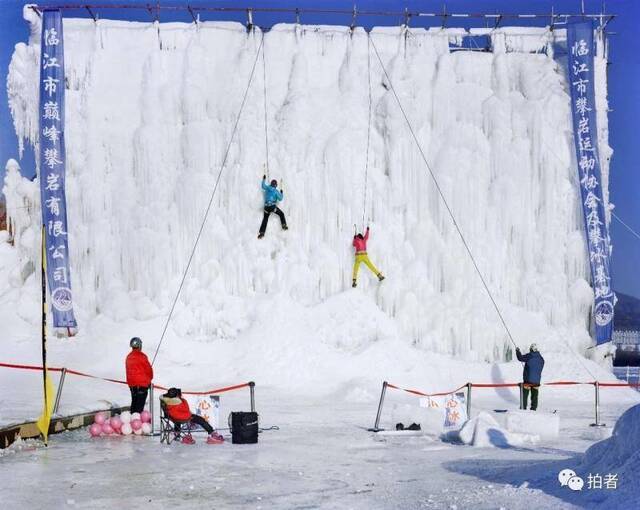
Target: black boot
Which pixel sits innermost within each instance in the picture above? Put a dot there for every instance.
(354, 284)
(260, 235)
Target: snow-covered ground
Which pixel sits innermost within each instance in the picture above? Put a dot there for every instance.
(322, 457)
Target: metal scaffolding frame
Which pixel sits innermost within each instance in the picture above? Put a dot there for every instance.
(553, 19)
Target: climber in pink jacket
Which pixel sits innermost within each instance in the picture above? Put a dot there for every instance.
(360, 244)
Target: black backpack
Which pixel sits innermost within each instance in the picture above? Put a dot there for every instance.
(243, 427)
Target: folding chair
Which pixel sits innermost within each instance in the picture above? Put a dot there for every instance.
(172, 430)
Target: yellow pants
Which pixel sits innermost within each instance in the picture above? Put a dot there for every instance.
(360, 258)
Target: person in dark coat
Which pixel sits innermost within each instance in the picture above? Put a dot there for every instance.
(533, 365)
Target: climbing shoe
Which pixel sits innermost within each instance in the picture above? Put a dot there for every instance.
(284, 227)
(260, 235)
(380, 277)
(354, 284)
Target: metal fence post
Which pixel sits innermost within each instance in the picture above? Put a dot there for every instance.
(380, 404)
(252, 388)
(597, 406)
(521, 387)
(59, 392)
(469, 385)
(151, 407)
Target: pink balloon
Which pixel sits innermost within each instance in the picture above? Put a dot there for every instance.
(146, 428)
(115, 422)
(136, 424)
(95, 430)
(100, 418)
(145, 416)
(106, 428)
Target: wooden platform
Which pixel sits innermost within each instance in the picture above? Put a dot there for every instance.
(29, 430)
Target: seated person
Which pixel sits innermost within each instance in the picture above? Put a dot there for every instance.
(178, 410)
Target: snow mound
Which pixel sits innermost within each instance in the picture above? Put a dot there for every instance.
(484, 431)
(544, 425)
(619, 454)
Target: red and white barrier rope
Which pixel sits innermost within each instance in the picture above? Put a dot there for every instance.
(117, 381)
(514, 385)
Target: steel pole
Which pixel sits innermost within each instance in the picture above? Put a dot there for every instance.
(59, 392)
(151, 408)
(252, 388)
(380, 404)
(596, 385)
(521, 386)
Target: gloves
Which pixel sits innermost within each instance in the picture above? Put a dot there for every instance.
(517, 349)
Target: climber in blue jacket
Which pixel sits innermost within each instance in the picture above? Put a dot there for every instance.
(271, 198)
(533, 365)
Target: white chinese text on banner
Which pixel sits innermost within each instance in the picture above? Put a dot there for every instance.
(52, 169)
(580, 58)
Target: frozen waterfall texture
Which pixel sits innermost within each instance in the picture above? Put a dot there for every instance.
(146, 134)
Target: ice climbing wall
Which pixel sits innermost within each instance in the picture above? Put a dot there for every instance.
(150, 110)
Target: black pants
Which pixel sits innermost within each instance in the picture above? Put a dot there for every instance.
(199, 420)
(268, 209)
(534, 396)
(138, 398)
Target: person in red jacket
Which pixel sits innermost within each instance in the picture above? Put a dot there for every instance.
(139, 375)
(178, 410)
(360, 244)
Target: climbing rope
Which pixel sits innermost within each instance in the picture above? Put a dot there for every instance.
(366, 166)
(444, 200)
(625, 225)
(213, 194)
(562, 338)
(266, 125)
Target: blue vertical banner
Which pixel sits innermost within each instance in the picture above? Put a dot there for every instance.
(580, 57)
(52, 169)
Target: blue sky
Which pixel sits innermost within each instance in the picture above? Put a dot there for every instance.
(624, 82)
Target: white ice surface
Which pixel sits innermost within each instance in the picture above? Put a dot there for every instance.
(483, 431)
(546, 425)
(146, 130)
(322, 457)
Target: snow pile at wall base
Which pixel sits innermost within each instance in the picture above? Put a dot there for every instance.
(544, 425)
(484, 431)
(146, 130)
(619, 454)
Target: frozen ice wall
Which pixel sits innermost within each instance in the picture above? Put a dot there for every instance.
(150, 111)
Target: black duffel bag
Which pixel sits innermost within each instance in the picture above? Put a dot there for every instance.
(243, 427)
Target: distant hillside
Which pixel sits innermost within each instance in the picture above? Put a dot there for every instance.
(627, 312)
